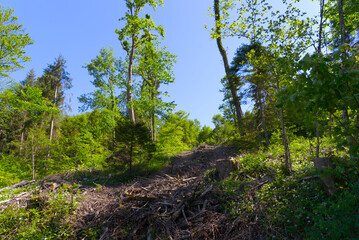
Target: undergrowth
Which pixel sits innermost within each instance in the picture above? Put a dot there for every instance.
(45, 217)
(295, 206)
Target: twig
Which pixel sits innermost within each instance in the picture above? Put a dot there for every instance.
(206, 191)
(184, 215)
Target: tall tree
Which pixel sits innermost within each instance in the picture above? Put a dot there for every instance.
(136, 31)
(229, 76)
(54, 82)
(155, 68)
(107, 72)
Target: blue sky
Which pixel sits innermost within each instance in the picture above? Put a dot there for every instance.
(78, 29)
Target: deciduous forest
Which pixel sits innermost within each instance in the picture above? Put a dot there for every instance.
(131, 165)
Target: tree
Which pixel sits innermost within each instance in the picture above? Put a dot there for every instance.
(137, 30)
(107, 71)
(177, 133)
(257, 80)
(229, 76)
(155, 68)
(13, 40)
(54, 81)
(29, 99)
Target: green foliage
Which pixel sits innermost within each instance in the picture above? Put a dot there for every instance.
(206, 135)
(107, 72)
(177, 133)
(137, 30)
(81, 144)
(13, 169)
(295, 206)
(13, 40)
(134, 142)
(45, 217)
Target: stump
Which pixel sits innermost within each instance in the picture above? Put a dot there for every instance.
(224, 167)
(323, 163)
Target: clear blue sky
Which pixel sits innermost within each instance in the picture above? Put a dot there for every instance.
(78, 29)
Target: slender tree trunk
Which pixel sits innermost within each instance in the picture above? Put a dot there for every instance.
(154, 127)
(33, 155)
(342, 41)
(21, 142)
(236, 102)
(22, 135)
(319, 51)
(341, 22)
(261, 109)
(153, 115)
(288, 161)
(317, 135)
(51, 130)
(130, 110)
(330, 125)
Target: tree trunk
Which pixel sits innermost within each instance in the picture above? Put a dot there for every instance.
(261, 109)
(33, 155)
(330, 125)
(236, 102)
(342, 41)
(22, 136)
(288, 162)
(341, 22)
(130, 110)
(317, 135)
(319, 51)
(21, 142)
(51, 128)
(154, 127)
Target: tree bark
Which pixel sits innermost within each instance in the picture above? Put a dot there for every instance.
(288, 162)
(21, 142)
(317, 135)
(330, 125)
(341, 22)
(236, 102)
(130, 110)
(261, 109)
(33, 155)
(51, 128)
(344, 56)
(319, 51)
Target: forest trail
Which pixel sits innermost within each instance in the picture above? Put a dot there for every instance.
(176, 203)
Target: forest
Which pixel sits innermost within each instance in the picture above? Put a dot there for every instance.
(131, 165)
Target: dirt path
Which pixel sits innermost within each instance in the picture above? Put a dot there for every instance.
(173, 204)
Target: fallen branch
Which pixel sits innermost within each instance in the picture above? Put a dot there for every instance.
(18, 185)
